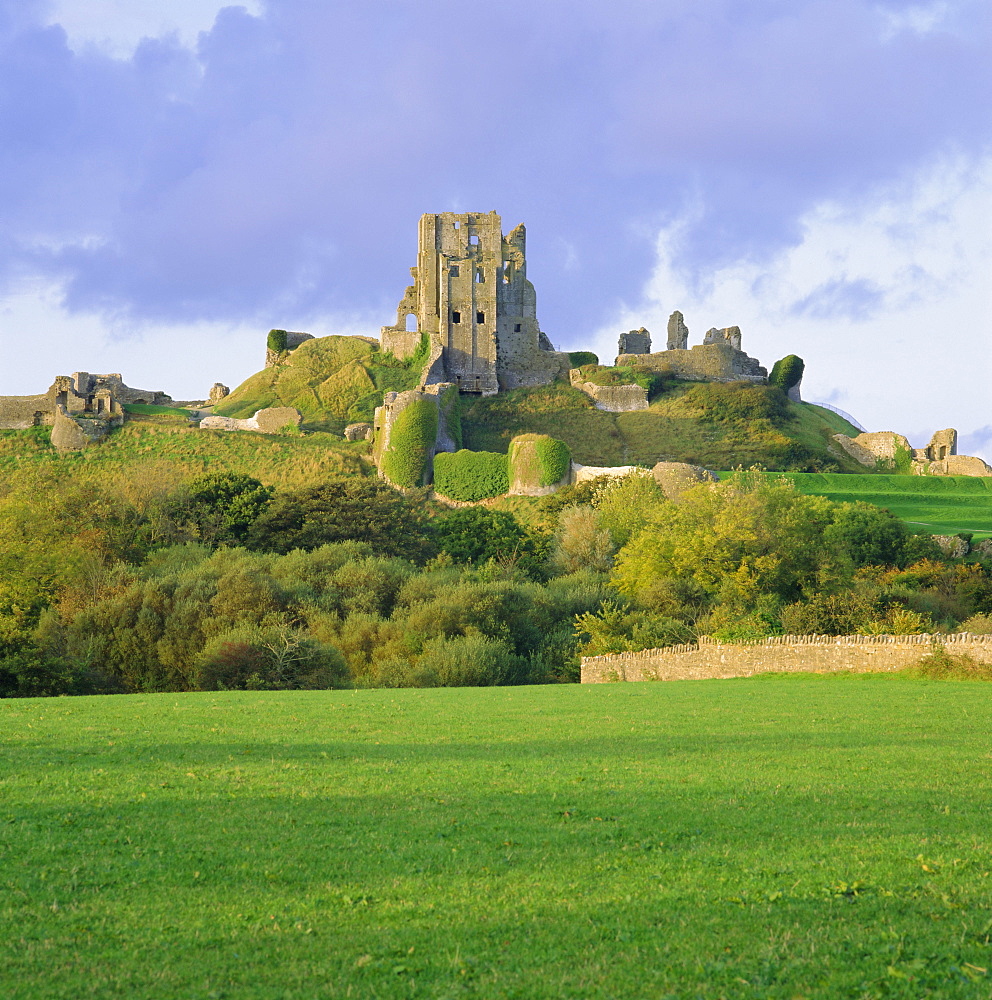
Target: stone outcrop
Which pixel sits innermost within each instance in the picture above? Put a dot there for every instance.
(956, 465)
(217, 392)
(358, 432)
(675, 478)
(952, 546)
(270, 420)
(634, 342)
(529, 470)
(471, 298)
(678, 333)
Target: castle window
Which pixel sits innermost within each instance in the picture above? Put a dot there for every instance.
(479, 277)
(411, 323)
(456, 317)
(453, 271)
(458, 225)
(480, 317)
(516, 328)
(474, 239)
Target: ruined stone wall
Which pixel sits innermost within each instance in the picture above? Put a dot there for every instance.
(614, 398)
(778, 654)
(715, 362)
(471, 296)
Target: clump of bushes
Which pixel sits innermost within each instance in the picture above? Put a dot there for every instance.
(276, 341)
(470, 475)
(537, 461)
(578, 359)
(787, 372)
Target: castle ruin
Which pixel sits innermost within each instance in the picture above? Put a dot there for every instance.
(471, 298)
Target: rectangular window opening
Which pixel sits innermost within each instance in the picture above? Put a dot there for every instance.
(453, 271)
(479, 277)
(474, 239)
(516, 328)
(456, 317)
(480, 317)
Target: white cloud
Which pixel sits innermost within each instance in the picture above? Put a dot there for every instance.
(117, 26)
(887, 298)
(920, 19)
(182, 360)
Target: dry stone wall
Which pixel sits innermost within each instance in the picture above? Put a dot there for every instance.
(709, 659)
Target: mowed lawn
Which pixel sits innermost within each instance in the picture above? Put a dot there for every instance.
(937, 505)
(773, 837)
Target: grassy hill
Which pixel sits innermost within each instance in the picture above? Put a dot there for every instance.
(772, 837)
(168, 447)
(332, 381)
(940, 505)
(705, 424)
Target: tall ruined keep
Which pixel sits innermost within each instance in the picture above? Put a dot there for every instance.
(470, 296)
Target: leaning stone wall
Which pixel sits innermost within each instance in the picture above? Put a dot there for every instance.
(710, 659)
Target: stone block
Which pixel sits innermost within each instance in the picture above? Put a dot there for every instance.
(358, 432)
(678, 332)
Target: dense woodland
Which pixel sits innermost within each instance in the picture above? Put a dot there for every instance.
(218, 581)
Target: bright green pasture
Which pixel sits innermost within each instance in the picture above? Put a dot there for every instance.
(773, 837)
(938, 505)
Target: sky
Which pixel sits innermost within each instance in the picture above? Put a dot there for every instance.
(177, 177)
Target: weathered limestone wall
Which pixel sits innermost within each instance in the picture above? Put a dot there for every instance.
(678, 332)
(635, 342)
(714, 362)
(82, 393)
(612, 398)
(778, 654)
(882, 449)
(470, 295)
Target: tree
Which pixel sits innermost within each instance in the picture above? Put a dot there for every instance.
(345, 508)
(218, 507)
(477, 535)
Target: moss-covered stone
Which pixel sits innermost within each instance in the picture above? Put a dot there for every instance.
(538, 464)
(405, 452)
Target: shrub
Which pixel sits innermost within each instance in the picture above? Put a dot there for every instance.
(411, 439)
(276, 341)
(581, 543)
(466, 661)
(476, 535)
(470, 475)
(940, 665)
(787, 372)
(578, 359)
(737, 403)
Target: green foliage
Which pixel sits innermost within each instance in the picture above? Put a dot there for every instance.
(478, 535)
(217, 507)
(537, 461)
(787, 372)
(411, 440)
(276, 341)
(451, 409)
(149, 409)
(470, 475)
(578, 359)
(343, 509)
(617, 629)
(581, 542)
(553, 460)
(939, 665)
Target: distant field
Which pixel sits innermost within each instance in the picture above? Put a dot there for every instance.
(773, 837)
(939, 505)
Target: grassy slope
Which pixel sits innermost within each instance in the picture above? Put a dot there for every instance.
(934, 504)
(168, 446)
(669, 430)
(774, 837)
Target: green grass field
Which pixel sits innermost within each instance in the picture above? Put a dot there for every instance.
(777, 837)
(938, 505)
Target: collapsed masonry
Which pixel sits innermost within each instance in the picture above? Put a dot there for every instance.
(471, 299)
(80, 394)
(886, 450)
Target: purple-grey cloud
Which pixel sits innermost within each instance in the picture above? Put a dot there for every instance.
(284, 163)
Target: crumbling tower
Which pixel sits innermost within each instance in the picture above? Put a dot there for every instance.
(471, 297)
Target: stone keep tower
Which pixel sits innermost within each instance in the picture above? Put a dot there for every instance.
(471, 296)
